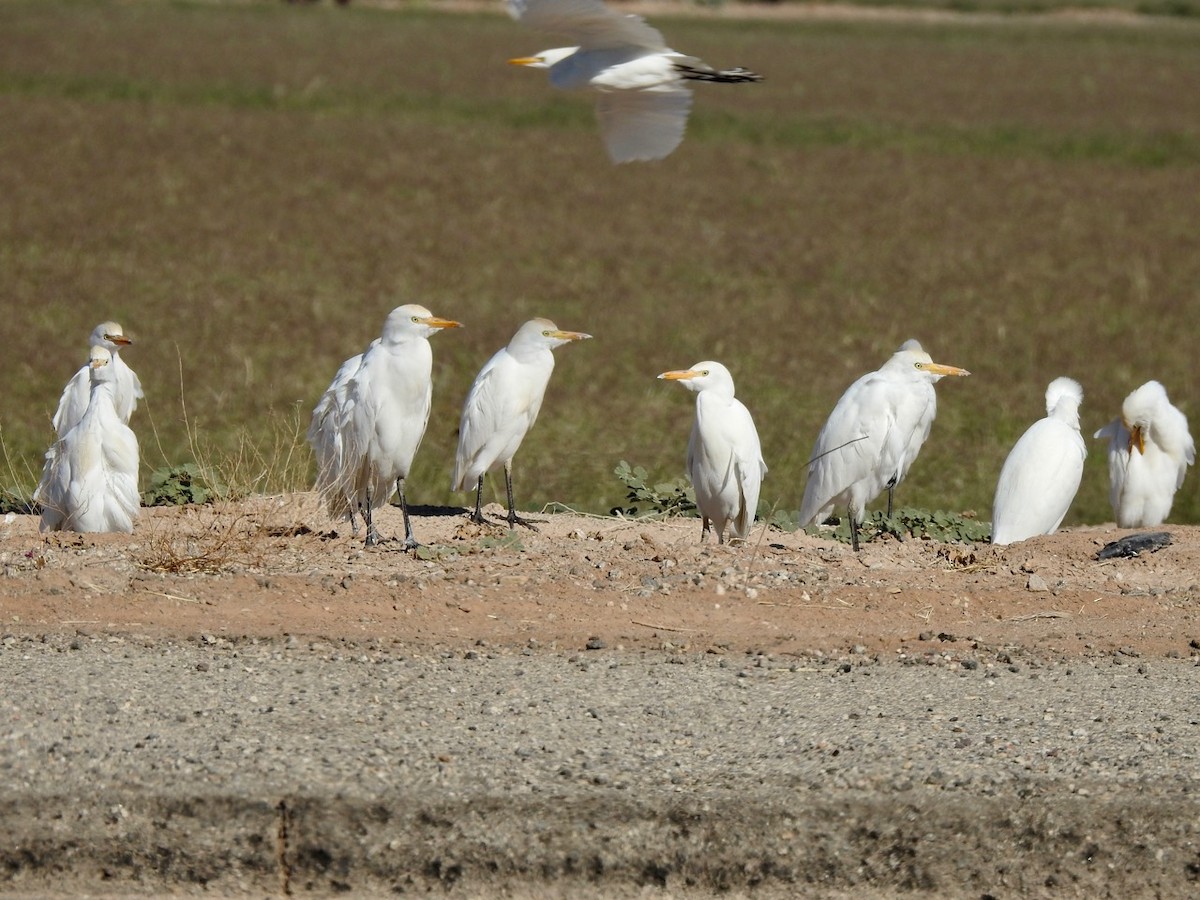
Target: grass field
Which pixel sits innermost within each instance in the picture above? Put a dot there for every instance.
(249, 189)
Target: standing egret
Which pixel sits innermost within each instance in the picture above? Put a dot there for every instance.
(1043, 470)
(502, 406)
(127, 387)
(89, 482)
(873, 435)
(1142, 484)
(644, 97)
(724, 456)
(382, 415)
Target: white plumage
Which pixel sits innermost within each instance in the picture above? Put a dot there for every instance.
(724, 456)
(127, 387)
(1043, 470)
(1149, 451)
(644, 99)
(502, 406)
(873, 435)
(368, 426)
(90, 479)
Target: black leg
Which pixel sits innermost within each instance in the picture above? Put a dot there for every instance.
(513, 518)
(853, 532)
(477, 518)
(410, 542)
(704, 529)
(372, 534)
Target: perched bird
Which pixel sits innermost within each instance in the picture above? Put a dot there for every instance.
(644, 95)
(1043, 470)
(1149, 450)
(127, 387)
(724, 456)
(380, 415)
(873, 435)
(326, 436)
(502, 406)
(90, 480)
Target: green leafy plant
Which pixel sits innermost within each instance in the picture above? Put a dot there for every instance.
(666, 498)
(923, 524)
(13, 503)
(181, 485)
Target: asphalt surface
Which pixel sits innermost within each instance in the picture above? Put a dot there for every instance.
(134, 765)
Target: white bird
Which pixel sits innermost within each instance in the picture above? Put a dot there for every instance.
(644, 97)
(381, 417)
(502, 406)
(127, 387)
(873, 435)
(1043, 470)
(724, 456)
(89, 482)
(1142, 484)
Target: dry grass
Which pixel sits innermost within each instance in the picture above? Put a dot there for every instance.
(251, 189)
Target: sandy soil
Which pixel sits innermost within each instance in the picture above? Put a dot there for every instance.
(276, 565)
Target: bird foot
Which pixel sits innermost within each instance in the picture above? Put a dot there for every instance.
(514, 520)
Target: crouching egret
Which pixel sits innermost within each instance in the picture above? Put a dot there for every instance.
(379, 414)
(644, 98)
(1149, 450)
(724, 456)
(90, 480)
(1042, 471)
(873, 435)
(126, 386)
(502, 406)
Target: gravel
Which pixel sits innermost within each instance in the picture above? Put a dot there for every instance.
(131, 765)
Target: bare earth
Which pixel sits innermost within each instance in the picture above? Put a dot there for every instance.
(275, 566)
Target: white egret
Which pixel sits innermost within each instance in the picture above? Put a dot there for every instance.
(502, 406)
(127, 387)
(1043, 470)
(724, 456)
(1149, 450)
(382, 415)
(90, 480)
(873, 435)
(644, 97)
(326, 436)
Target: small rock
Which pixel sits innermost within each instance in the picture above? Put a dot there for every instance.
(1036, 583)
(595, 643)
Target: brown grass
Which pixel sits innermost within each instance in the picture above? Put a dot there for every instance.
(251, 189)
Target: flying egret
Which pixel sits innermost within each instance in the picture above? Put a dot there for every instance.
(89, 482)
(1149, 450)
(502, 406)
(873, 435)
(382, 416)
(724, 456)
(1043, 470)
(127, 387)
(644, 96)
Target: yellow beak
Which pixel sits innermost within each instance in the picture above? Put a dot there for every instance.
(525, 61)
(679, 375)
(569, 335)
(939, 369)
(118, 339)
(435, 322)
(1137, 438)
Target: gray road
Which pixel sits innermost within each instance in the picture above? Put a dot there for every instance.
(131, 765)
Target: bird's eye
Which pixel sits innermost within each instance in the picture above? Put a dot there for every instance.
(919, 365)
(417, 319)
(704, 373)
(545, 334)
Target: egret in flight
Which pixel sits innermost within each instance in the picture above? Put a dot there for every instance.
(90, 480)
(1149, 450)
(644, 98)
(1043, 470)
(502, 406)
(724, 456)
(873, 435)
(381, 418)
(127, 387)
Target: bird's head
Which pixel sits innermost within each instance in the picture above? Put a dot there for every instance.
(539, 334)
(413, 320)
(707, 375)
(545, 59)
(100, 364)
(109, 335)
(914, 360)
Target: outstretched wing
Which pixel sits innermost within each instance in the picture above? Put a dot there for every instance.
(643, 125)
(588, 23)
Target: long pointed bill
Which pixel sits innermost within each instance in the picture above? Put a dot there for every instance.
(435, 322)
(570, 336)
(525, 61)
(679, 375)
(1137, 438)
(939, 369)
(118, 339)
